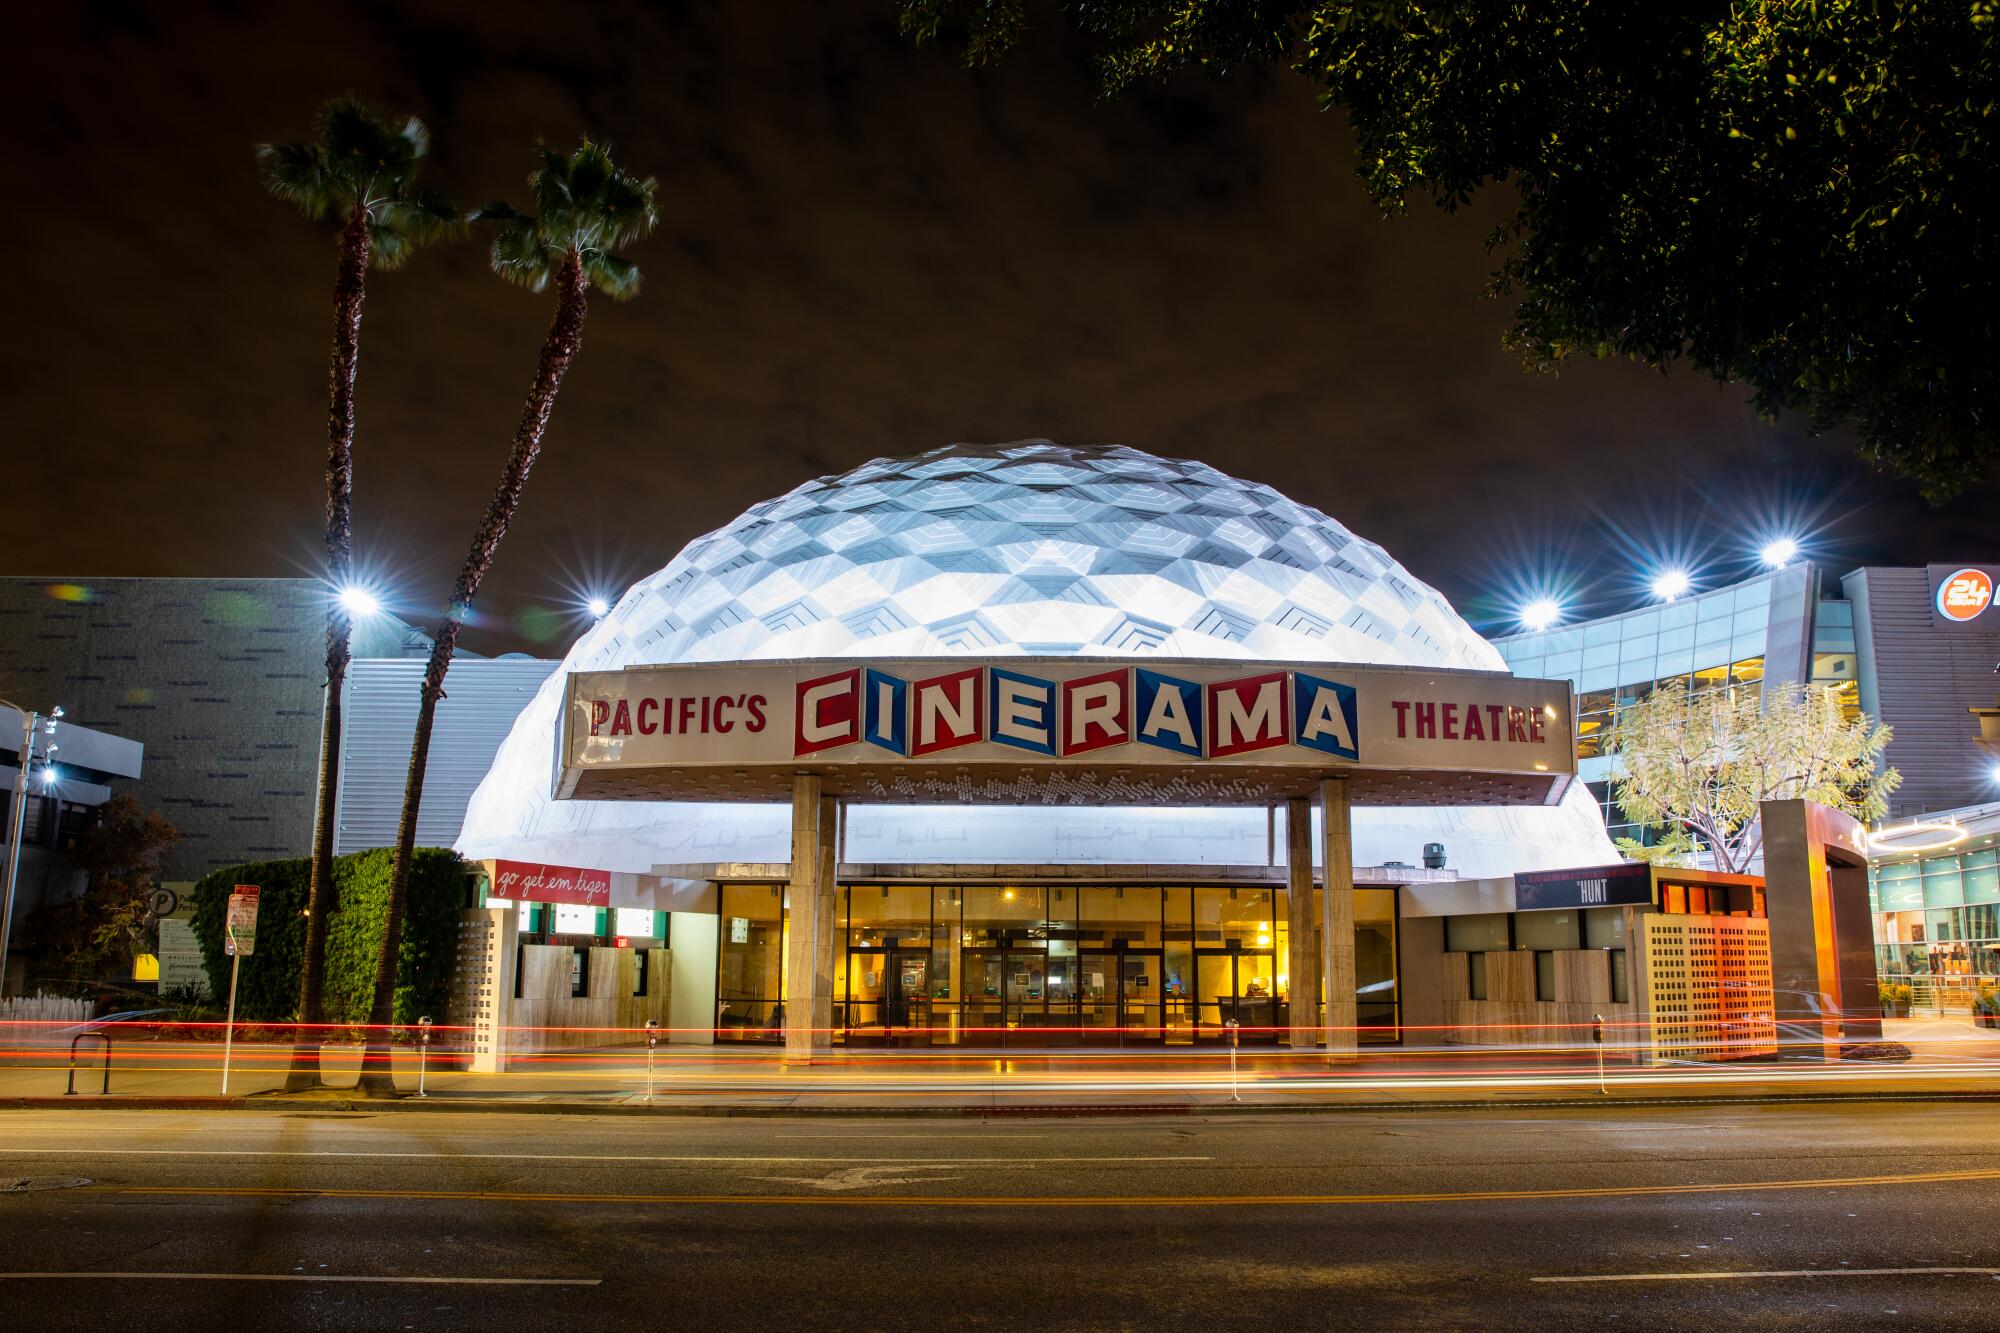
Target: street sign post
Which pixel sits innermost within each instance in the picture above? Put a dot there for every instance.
(239, 937)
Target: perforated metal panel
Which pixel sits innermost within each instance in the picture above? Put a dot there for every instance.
(1708, 987)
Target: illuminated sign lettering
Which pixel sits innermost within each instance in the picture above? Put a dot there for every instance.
(1964, 595)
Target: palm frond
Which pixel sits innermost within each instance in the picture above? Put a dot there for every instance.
(423, 216)
(551, 183)
(388, 248)
(518, 254)
(585, 206)
(614, 275)
(356, 136)
(296, 173)
(590, 170)
(498, 211)
(418, 136)
(626, 204)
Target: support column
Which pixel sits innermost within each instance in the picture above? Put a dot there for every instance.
(803, 991)
(1301, 925)
(1336, 940)
(826, 942)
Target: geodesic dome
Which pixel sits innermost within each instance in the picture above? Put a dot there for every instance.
(989, 550)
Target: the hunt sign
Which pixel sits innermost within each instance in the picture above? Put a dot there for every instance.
(1015, 718)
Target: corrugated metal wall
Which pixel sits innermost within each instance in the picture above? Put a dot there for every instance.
(1921, 679)
(482, 699)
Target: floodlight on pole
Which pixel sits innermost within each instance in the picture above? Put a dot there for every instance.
(1779, 552)
(358, 602)
(598, 607)
(1671, 583)
(1541, 613)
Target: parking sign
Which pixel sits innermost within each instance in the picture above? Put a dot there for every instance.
(239, 934)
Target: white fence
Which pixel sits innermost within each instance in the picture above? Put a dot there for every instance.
(39, 1020)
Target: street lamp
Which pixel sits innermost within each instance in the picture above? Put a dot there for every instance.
(1779, 552)
(1541, 613)
(357, 601)
(1671, 583)
(598, 608)
(31, 722)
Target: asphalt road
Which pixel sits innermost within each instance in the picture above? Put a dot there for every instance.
(1849, 1215)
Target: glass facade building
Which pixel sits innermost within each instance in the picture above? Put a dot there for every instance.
(1742, 637)
(1046, 964)
(1938, 915)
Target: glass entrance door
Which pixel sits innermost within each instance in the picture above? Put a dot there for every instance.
(1120, 997)
(1140, 982)
(1239, 986)
(1006, 991)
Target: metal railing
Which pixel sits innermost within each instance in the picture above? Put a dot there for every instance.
(104, 1037)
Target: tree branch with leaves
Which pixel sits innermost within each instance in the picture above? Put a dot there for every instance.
(1697, 767)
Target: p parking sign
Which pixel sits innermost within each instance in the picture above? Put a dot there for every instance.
(239, 932)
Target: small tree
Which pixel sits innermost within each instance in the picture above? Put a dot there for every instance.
(1699, 765)
(112, 919)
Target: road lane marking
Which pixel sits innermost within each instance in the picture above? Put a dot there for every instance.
(1773, 1272)
(312, 1277)
(1071, 1201)
(575, 1157)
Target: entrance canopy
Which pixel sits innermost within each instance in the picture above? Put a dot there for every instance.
(1064, 731)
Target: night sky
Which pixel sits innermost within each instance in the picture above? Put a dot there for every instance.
(865, 250)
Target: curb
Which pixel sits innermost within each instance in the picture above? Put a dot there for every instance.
(448, 1106)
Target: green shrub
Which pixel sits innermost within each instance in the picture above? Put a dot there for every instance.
(268, 987)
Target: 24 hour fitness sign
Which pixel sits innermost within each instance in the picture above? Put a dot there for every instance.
(926, 729)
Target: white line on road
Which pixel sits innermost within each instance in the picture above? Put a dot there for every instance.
(1775, 1272)
(565, 1157)
(317, 1277)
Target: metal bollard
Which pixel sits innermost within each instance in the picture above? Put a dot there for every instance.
(652, 1040)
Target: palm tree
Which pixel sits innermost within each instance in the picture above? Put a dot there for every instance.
(360, 172)
(585, 208)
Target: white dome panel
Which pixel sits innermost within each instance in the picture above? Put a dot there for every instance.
(996, 550)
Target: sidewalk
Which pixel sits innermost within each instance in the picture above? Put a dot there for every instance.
(1951, 1059)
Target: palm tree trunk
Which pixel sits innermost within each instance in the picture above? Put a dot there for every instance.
(350, 288)
(559, 349)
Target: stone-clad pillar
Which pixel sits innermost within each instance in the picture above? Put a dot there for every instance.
(1302, 951)
(827, 940)
(1337, 916)
(809, 902)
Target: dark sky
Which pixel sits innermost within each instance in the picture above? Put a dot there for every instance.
(865, 250)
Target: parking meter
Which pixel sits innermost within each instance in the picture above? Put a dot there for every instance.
(652, 1033)
(423, 1052)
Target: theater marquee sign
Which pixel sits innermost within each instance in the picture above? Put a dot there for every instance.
(1064, 731)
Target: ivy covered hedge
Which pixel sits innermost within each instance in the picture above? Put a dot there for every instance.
(268, 988)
